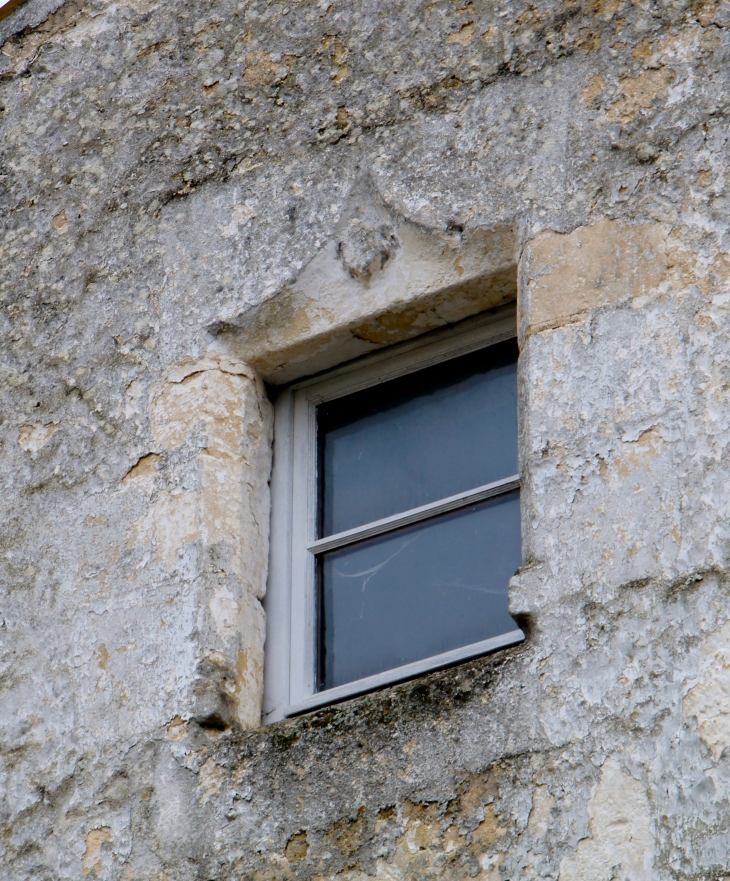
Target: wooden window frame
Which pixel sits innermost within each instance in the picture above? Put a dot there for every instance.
(291, 629)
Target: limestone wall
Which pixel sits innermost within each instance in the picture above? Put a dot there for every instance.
(200, 196)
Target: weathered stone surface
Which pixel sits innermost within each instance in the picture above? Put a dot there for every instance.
(606, 264)
(331, 313)
(621, 841)
(708, 698)
(183, 186)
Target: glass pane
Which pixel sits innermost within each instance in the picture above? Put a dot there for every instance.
(418, 439)
(418, 591)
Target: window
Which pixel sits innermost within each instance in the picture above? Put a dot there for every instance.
(396, 516)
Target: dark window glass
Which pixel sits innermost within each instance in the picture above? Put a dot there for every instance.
(418, 439)
(418, 591)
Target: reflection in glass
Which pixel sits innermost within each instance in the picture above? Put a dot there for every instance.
(418, 591)
(417, 439)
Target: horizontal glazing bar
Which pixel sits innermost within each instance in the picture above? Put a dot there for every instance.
(415, 514)
(408, 671)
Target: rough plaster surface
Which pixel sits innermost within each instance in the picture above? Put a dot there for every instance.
(169, 175)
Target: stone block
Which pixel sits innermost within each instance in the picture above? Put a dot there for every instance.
(609, 263)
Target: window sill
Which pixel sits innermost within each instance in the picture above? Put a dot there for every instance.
(408, 671)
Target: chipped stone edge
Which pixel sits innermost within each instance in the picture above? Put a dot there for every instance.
(28, 16)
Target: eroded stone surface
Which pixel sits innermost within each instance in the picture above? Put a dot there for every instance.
(606, 264)
(620, 842)
(708, 698)
(170, 176)
(334, 312)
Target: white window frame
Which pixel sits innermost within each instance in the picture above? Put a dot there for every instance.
(291, 628)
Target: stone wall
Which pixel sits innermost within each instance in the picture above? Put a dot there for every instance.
(174, 181)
